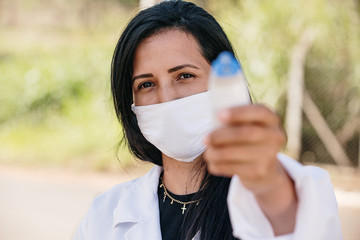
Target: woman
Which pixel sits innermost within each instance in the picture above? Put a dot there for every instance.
(160, 73)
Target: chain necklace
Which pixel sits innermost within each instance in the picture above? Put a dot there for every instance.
(166, 194)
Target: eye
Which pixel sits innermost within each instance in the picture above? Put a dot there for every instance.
(145, 85)
(186, 76)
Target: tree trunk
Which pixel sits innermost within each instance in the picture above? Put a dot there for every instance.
(147, 3)
(293, 119)
(359, 149)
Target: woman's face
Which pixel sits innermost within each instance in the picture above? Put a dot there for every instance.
(168, 66)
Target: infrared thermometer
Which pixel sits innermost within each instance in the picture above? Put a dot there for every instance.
(227, 84)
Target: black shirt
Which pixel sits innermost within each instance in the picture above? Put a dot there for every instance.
(171, 215)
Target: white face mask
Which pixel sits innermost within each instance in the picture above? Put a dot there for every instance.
(177, 128)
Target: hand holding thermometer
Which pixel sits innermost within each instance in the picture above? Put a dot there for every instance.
(227, 83)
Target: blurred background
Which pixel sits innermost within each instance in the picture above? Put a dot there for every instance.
(59, 134)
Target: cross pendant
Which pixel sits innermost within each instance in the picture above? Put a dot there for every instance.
(164, 197)
(183, 209)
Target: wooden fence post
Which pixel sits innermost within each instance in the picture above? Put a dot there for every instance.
(325, 134)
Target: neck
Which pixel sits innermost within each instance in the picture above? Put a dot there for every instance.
(182, 178)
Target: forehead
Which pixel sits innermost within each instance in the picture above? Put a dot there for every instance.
(175, 38)
(173, 46)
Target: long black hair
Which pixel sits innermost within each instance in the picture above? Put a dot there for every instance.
(211, 216)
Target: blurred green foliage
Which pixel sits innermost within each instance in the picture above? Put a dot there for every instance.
(265, 33)
(56, 108)
(55, 65)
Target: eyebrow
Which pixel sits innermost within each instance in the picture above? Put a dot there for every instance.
(146, 75)
(174, 69)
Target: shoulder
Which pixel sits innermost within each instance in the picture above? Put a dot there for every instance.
(110, 199)
(297, 170)
(116, 202)
(317, 212)
(310, 181)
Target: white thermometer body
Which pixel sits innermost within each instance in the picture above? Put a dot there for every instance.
(228, 85)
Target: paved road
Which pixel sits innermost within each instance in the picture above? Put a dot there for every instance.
(49, 205)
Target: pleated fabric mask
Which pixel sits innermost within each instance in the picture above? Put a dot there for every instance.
(177, 128)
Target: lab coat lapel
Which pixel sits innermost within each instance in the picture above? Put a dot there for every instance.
(137, 213)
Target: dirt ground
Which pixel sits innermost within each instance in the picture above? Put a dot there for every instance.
(50, 203)
(346, 182)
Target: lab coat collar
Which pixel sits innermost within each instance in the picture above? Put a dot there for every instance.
(140, 202)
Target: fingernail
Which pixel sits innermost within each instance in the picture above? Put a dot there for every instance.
(224, 115)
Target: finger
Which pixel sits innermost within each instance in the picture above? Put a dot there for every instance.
(258, 114)
(229, 169)
(255, 178)
(246, 171)
(236, 154)
(244, 134)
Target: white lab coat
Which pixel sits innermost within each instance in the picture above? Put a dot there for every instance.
(129, 211)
